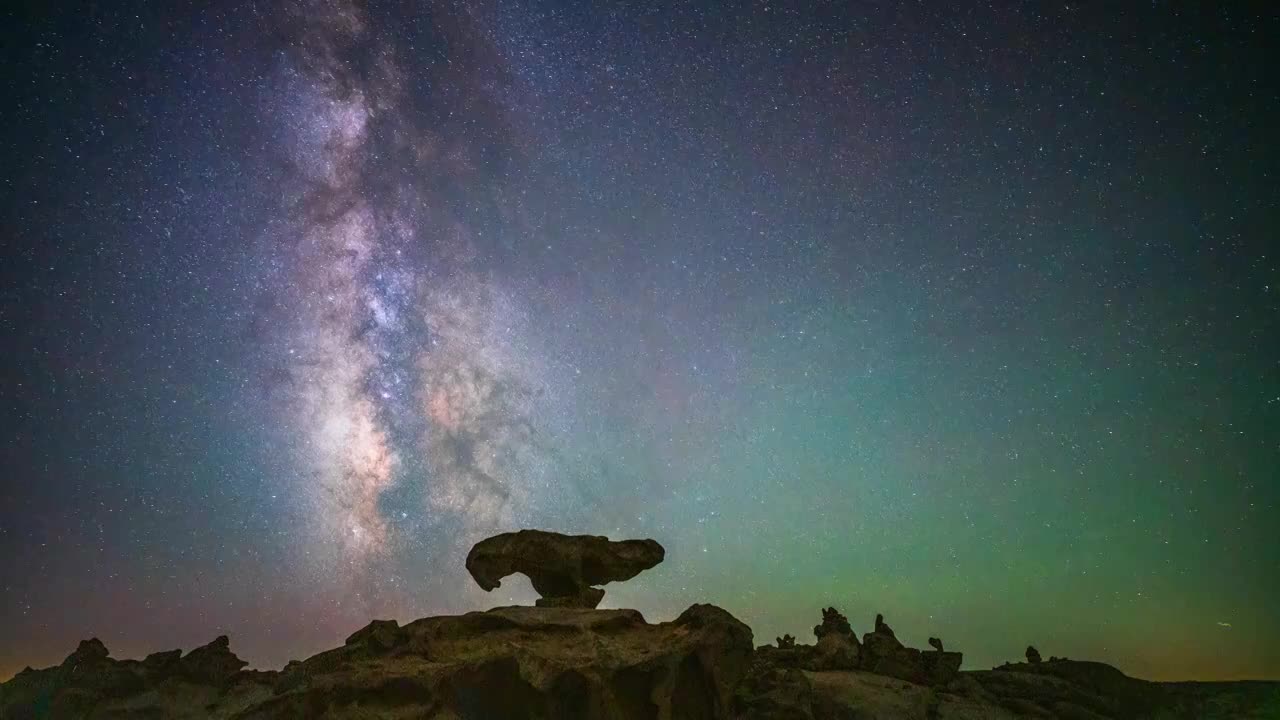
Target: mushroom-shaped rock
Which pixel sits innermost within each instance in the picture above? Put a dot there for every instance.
(562, 568)
(936, 644)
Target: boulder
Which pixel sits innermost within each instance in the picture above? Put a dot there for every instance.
(562, 568)
(1033, 655)
(935, 643)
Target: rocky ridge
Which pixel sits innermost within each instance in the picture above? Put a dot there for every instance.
(575, 663)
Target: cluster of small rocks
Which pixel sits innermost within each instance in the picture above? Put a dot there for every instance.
(879, 651)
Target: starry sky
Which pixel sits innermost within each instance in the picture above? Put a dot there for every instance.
(954, 312)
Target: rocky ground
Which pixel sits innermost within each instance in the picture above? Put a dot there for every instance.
(566, 660)
(527, 663)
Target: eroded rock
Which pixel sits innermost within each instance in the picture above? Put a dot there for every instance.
(212, 663)
(88, 652)
(562, 568)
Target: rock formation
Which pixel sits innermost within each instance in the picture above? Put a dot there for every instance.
(832, 622)
(837, 647)
(882, 628)
(515, 663)
(88, 653)
(562, 568)
(838, 650)
(568, 663)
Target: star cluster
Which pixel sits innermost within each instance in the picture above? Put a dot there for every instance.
(959, 314)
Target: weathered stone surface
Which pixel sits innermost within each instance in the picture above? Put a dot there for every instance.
(518, 663)
(563, 663)
(562, 568)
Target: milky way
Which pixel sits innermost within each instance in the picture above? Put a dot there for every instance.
(950, 312)
(408, 371)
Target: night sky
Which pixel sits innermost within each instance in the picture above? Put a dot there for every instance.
(967, 315)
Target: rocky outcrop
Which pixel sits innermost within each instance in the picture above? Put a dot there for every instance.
(526, 663)
(87, 654)
(212, 663)
(879, 652)
(561, 661)
(833, 623)
(837, 647)
(515, 663)
(207, 682)
(562, 568)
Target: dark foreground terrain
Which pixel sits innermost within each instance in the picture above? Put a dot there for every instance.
(566, 660)
(563, 663)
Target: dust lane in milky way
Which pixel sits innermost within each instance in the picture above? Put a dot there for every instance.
(403, 369)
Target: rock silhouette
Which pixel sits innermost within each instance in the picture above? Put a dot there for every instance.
(571, 663)
(562, 568)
